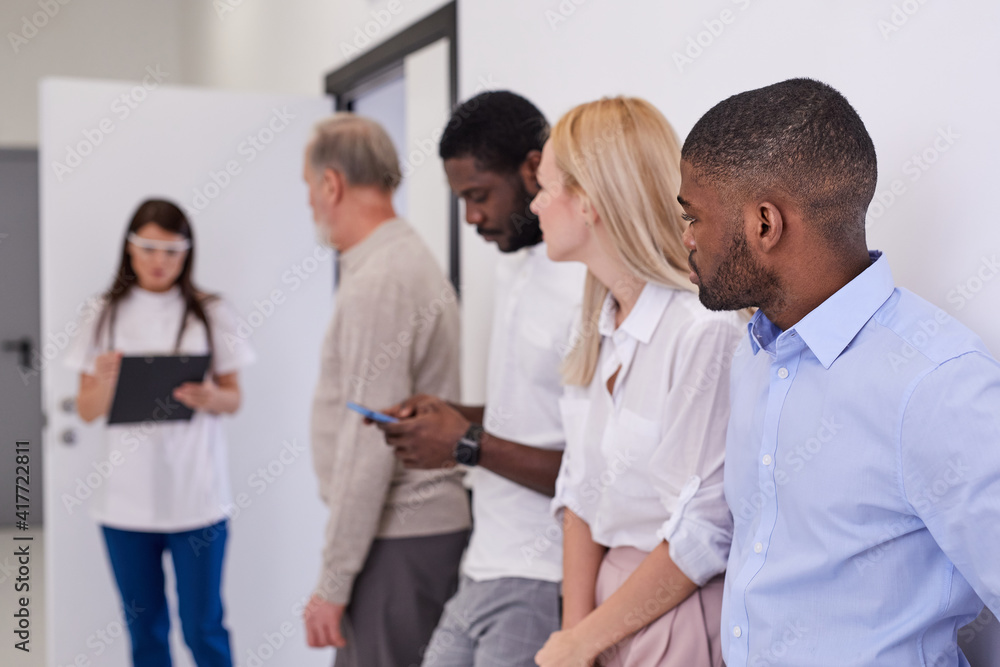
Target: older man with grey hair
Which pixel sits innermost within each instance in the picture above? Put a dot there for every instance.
(395, 536)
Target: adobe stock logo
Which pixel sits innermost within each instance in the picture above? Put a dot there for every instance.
(250, 148)
(698, 43)
(899, 17)
(966, 291)
(121, 108)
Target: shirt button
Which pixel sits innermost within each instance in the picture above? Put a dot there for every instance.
(767, 459)
(782, 372)
(757, 548)
(737, 632)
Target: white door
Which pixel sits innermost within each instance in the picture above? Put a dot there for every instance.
(233, 161)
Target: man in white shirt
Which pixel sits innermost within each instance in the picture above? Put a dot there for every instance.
(508, 599)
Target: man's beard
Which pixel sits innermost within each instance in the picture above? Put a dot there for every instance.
(524, 229)
(739, 282)
(323, 234)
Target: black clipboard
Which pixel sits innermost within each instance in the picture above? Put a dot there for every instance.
(145, 389)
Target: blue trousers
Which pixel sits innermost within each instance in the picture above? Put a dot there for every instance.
(137, 561)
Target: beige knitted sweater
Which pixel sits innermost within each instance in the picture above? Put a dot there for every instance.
(395, 333)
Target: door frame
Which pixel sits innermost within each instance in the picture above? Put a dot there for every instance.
(384, 59)
(31, 329)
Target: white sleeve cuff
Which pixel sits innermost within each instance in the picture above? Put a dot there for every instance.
(699, 531)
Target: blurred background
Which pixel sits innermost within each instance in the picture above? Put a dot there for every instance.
(105, 102)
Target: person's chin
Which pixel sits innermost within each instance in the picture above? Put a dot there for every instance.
(556, 254)
(711, 300)
(501, 241)
(324, 237)
(159, 285)
(707, 300)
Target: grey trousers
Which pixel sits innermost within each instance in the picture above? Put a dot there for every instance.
(496, 623)
(398, 598)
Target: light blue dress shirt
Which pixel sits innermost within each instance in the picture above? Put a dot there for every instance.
(863, 474)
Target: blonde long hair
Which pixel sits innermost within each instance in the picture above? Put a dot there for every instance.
(623, 156)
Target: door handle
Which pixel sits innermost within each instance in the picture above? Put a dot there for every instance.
(23, 348)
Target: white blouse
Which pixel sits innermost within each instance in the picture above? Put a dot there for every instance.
(643, 464)
(173, 475)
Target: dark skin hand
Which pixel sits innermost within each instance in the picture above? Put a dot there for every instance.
(425, 438)
(429, 428)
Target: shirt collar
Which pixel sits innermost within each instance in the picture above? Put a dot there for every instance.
(353, 257)
(644, 316)
(830, 327)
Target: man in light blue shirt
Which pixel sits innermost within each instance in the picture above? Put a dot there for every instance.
(863, 451)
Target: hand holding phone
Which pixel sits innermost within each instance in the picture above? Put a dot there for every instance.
(372, 414)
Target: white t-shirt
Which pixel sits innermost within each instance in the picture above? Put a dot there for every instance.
(164, 476)
(537, 302)
(643, 464)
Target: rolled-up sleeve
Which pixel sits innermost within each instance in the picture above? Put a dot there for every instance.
(692, 450)
(574, 408)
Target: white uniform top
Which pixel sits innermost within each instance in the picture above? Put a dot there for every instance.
(167, 476)
(537, 302)
(643, 464)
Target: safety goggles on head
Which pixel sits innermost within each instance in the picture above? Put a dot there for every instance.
(170, 247)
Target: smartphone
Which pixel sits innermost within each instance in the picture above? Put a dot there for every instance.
(371, 414)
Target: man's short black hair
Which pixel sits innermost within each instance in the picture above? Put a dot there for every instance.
(497, 128)
(800, 136)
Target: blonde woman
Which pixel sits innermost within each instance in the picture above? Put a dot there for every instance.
(646, 526)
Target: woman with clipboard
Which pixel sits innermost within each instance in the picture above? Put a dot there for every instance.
(169, 482)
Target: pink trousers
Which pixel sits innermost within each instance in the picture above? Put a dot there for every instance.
(686, 636)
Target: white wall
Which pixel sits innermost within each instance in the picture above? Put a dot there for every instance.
(286, 46)
(926, 76)
(230, 44)
(909, 84)
(108, 39)
(935, 72)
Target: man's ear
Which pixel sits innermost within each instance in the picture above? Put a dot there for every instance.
(529, 171)
(768, 226)
(333, 185)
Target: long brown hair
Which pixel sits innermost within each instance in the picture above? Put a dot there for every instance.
(170, 217)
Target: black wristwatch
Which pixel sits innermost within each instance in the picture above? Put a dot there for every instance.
(467, 449)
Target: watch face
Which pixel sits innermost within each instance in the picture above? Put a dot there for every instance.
(465, 454)
(467, 449)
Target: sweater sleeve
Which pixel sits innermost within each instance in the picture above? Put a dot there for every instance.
(367, 358)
